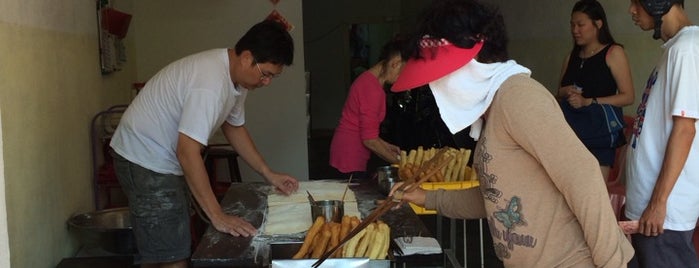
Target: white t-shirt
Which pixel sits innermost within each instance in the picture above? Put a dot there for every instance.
(192, 96)
(671, 90)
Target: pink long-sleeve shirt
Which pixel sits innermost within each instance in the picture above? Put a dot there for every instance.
(362, 114)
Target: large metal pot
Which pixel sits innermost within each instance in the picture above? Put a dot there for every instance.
(386, 177)
(109, 229)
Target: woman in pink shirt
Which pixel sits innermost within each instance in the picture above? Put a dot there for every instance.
(357, 134)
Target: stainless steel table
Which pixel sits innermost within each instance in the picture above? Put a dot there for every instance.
(249, 200)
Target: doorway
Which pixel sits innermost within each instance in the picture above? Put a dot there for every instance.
(360, 45)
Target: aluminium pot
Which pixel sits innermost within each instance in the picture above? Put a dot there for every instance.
(108, 229)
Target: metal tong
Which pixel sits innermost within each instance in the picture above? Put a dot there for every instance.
(393, 200)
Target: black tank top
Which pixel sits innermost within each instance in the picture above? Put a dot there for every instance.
(591, 74)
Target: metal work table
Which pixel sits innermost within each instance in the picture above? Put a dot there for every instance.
(249, 201)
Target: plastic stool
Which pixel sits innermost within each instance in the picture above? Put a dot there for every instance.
(213, 156)
(617, 197)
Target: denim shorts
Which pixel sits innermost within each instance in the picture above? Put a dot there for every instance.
(159, 210)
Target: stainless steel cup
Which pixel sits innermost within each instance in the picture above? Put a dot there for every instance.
(386, 177)
(332, 210)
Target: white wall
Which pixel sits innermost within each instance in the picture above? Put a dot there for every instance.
(50, 87)
(540, 38)
(166, 30)
(4, 238)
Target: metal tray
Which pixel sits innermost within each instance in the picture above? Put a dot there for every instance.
(281, 253)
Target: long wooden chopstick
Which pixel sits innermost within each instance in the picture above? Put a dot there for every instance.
(346, 187)
(390, 201)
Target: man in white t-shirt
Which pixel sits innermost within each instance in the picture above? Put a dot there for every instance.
(157, 146)
(662, 171)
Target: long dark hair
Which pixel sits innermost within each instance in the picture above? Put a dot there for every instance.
(595, 11)
(463, 23)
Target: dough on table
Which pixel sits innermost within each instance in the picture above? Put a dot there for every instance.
(292, 214)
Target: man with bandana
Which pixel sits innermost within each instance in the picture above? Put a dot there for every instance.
(530, 164)
(662, 184)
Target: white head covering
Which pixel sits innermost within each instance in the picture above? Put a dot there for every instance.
(465, 94)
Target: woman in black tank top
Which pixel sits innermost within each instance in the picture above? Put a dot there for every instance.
(595, 80)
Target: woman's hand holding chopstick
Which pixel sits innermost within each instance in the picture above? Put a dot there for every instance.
(416, 196)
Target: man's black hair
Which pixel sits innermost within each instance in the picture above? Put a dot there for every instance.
(268, 41)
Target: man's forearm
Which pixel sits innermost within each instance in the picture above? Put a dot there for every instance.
(676, 153)
(188, 154)
(241, 141)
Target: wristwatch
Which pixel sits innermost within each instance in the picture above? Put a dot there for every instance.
(594, 101)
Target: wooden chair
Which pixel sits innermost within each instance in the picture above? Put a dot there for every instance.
(215, 155)
(104, 179)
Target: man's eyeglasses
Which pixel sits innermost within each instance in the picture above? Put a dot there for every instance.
(264, 75)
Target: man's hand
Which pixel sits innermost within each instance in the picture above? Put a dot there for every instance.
(283, 182)
(676, 154)
(233, 225)
(652, 219)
